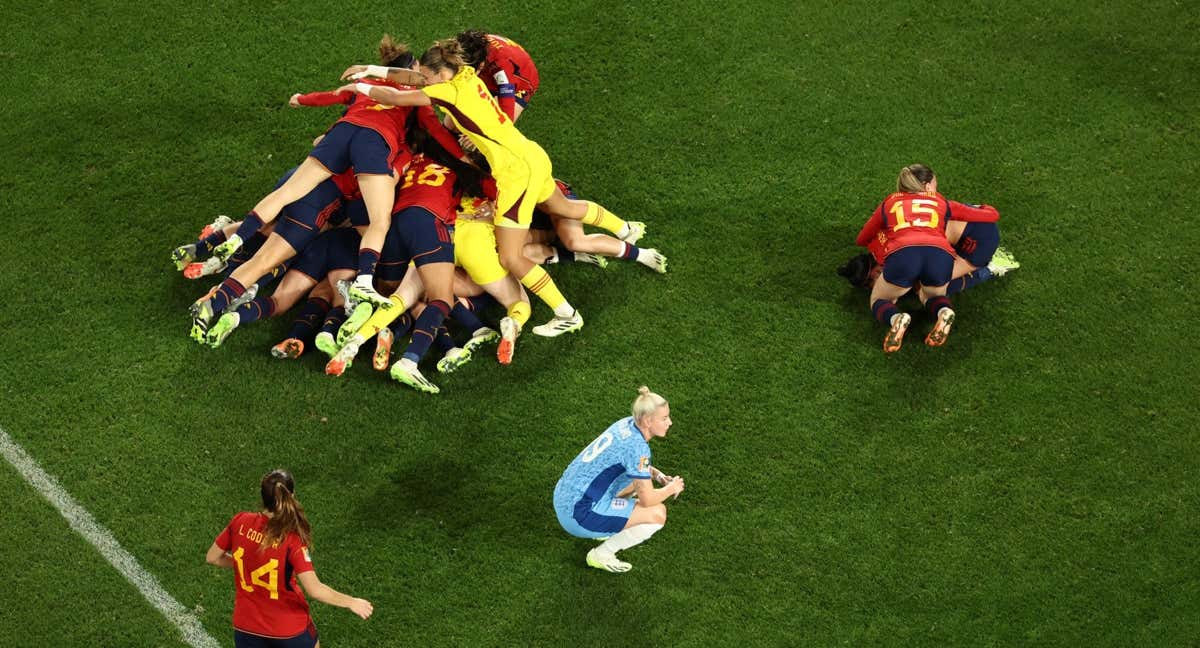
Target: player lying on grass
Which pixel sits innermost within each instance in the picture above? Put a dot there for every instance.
(978, 256)
(269, 553)
(520, 167)
(592, 499)
(910, 225)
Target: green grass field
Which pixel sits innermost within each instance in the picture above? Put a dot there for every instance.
(1032, 483)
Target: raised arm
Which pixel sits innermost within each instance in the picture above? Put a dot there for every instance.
(389, 96)
(329, 596)
(402, 76)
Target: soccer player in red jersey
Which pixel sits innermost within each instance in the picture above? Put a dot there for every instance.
(505, 68)
(268, 552)
(910, 225)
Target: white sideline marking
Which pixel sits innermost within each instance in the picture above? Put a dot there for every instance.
(102, 539)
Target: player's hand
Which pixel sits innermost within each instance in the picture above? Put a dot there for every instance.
(466, 143)
(361, 607)
(676, 485)
(294, 102)
(486, 210)
(354, 72)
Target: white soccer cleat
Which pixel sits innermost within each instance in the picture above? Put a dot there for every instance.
(607, 561)
(220, 222)
(245, 298)
(593, 259)
(653, 259)
(363, 290)
(637, 230)
(480, 338)
(406, 371)
(453, 359)
(559, 325)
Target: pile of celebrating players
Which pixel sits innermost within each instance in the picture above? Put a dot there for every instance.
(419, 211)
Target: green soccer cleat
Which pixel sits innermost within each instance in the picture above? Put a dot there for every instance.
(1002, 262)
(453, 359)
(593, 259)
(637, 230)
(326, 344)
(559, 325)
(362, 312)
(362, 290)
(607, 561)
(228, 248)
(480, 338)
(202, 315)
(221, 330)
(406, 371)
(183, 255)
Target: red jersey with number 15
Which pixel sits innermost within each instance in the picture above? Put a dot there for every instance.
(906, 219)
(268, 602)
(429, 185)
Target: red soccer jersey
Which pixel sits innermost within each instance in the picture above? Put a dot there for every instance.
(268, 602)
(388, 121)
(509, 73)
(430, 185)
(907, 219)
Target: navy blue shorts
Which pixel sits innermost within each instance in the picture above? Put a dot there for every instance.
(334, 250)
(602, 520)
(924, 263)
(346, 145)
(302, 220)
(356, 212)
(978, 243)
(416, 235)
(306, 639)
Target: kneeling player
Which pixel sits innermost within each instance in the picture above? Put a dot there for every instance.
(591, 497)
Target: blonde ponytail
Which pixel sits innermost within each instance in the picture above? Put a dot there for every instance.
(646, 403)
(913, 178)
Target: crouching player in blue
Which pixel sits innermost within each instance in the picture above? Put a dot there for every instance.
(592, 498)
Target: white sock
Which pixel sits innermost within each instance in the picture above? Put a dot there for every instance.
(564, 310)
(630, 537)
(553, 258)
(625, 231)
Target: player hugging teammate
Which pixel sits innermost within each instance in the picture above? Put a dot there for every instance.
(401, 220)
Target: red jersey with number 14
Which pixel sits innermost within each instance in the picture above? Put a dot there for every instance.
(429, 185)
(268, 602)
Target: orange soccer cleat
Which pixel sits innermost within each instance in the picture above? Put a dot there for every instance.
(289, 349)
(895, 335)
(941, 328)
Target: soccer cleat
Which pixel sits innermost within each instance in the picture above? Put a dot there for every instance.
(209, 266)
(362, 291)
(454, 359)
(895, 335)
(228, 248)
(594, 259)
(362, 312)
(509, 331)
(654, 260)
(406, 371)
(383, 349)
(326, 344)
(183, 255)
(289, 349)
(559, 325)
(343, 288)
(220, 222)
(941, 328)
(637, 230)
(481, 337)
(202, 314)
(1002, 262)
(244, 298)
(607, 561)
(221, 330)
(343, 359)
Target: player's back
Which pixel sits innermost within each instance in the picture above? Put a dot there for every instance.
(430, 185)
(268, 602)
(475, 111)
(603, 465)
(914, 219)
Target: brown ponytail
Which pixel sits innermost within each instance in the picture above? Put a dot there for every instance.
(287, 516)
(444, 54)
(393, 53)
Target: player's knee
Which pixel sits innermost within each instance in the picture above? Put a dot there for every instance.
(658, 514)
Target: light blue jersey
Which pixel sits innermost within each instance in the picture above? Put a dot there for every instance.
(590, 484)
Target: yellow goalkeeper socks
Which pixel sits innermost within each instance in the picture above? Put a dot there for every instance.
(520, 312)
(602, 218)
(540, 283)
(382, 318)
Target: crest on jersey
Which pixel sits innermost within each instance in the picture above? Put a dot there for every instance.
(644, 464)
(304, 550)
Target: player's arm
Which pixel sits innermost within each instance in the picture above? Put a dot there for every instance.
(389, 96)
(871, 228)
(429, 121)
(218, 557)
(320, 99)
(648, 495)
(972, 213)
(329, 596)
(506, 91)
(402, 76)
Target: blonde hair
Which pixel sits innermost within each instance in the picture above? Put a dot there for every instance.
(913, 178)
(646, 403)
(444, 54)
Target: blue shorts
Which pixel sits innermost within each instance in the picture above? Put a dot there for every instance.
(334, 250)
(346, 145)
(306, 639)
(978, 243)
(588, 519)
(418, 236)
(356, 212)
(924, 263)
(302, 220)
